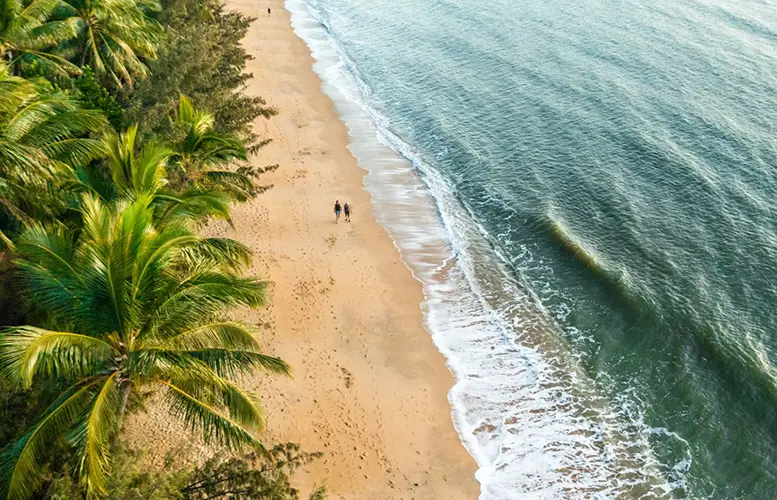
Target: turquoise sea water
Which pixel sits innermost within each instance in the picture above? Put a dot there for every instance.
(604, 175)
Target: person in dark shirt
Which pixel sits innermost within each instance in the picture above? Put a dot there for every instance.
(269, 11)
(337, 210)
(347, 211)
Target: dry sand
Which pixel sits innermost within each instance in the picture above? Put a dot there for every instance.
(369, 386)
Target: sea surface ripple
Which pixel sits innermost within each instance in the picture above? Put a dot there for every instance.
(586, 191)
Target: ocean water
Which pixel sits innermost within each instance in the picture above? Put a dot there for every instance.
(587, 192)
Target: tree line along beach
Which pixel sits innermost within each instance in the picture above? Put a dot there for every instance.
(317, 338)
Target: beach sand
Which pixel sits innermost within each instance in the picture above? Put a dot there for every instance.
(369, 387)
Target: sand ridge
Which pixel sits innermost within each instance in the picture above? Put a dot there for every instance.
(369, 387)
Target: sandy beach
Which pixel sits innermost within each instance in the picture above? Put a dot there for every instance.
(369, 387)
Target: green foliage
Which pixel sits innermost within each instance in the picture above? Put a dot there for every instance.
(43, 135)
(203, 59)
(203, 155)
(256, 475)
(95, 96)
(27, 29)
(121, 296)
(202, 146)
(141, 173)
(111, 36)
(136, 306)
(131, 480)
(264, 475)
(20, 408)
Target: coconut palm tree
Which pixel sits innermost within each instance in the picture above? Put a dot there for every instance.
(203, 153)
(141, 171)
(130, 306)
(42, 137)
(27, 29)
(111, 36)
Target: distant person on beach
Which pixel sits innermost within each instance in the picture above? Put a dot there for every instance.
(347, 211)
(337, 210)
(269, 11)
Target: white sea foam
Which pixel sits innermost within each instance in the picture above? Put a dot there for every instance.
(532, 420)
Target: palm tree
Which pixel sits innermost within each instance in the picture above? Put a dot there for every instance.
(42, 137)
(203, 152)
(130, 306)
(140, 172)
(111, 36)
(27, 30)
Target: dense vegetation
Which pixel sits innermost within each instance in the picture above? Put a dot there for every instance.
(250, 476)
(124, 126)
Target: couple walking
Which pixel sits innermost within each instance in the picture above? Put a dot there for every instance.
(344, 208)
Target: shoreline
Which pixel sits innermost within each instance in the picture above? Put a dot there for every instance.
(370, 387)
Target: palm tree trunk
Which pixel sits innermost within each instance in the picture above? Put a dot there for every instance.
(83, 53)
(11, 66)
(125, 392)
(12, 209)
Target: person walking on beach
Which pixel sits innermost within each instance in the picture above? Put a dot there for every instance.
(347, 211)
(337, 211)
(269, 11)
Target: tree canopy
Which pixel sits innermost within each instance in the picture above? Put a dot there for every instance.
(42, 139)
(123, 125)
(135, 305)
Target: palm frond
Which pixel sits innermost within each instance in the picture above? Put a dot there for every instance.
(113, 36)
(93, 437)
(236, 185)
(200, 381)
(35, 13)
(318, 494)
(242, 408)
(27, 352)
(231, 363)
(220, 335)
(135, 175)
(189, 118)
(53, 117)
(204, 363)
(197, 297)
(130, 234)
(148, 174)
(217, 251)
(14, 90)
(19, 472)
(53, 31)
(47, 271)
(50, 247)
(203, 147)
(159, 251)
(37, 117)
(97, 225)
(221, 148)
(42, 137)
(75, 151)
(193, 204)
(52, 64)
(198, 415)
(7, 244)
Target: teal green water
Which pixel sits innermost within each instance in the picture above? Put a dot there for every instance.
(620, 157)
